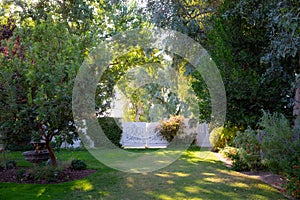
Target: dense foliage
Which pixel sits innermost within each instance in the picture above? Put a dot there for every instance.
(78, 165)
(246, 40)
(249, 148)
(255, 45)
(42, 46)
(280, 145)
(112, 129)
(222, 136)
(274, 146)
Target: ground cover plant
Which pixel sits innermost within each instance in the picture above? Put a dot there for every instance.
(198, 174)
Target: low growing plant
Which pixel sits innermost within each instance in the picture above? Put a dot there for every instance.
(293, 186)
(48, 173)
(249, 148)
(280, 143)
(238, 164)
(21, 174)
(229, 152)
(10, 164)
(78, 165)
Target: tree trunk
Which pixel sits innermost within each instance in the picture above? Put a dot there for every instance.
(138, 111)
(296, 109)
(51, 153)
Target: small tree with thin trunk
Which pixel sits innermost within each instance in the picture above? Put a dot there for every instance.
(55, 57)
(37, 86)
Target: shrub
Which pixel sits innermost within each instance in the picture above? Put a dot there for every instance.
(78, 165)
(292, 186)
(249, 148)
(10, 164)
(222, 136)
(38, 173)
(280, 143)
(171, 127)
(238, 164)
(229, 152)
(20, 147)
(21, 174)
(111, 129)
(215, 139)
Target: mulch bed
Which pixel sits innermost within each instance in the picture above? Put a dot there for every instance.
(66, 175)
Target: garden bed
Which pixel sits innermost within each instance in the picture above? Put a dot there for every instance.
(23, 175)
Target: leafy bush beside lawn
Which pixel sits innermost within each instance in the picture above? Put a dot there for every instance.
(275, 146)
(222, 136)
(111, 129)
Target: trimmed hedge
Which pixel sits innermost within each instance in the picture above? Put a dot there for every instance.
(112, 129)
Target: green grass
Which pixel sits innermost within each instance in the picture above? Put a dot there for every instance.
(196, 175)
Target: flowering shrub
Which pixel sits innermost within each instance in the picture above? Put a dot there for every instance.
(280, 143)
(171, 127)
(280, 147)
(292, 186)
(249, 149)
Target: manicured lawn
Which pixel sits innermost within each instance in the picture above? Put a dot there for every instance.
(196, 175)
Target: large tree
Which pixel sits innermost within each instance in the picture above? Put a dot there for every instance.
(255, 45)
(46, 44)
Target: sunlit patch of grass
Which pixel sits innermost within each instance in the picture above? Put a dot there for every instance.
(40, 192)
(208, 174)
(165, 175)
(196, 175)
(192, 189)
(165, 197)
(130, 182)
(201, 155)
(83, 185)
(172, 174)
(214, 180)
(180, 174)
(239, 184)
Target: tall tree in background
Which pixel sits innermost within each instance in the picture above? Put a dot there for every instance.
(254, 43)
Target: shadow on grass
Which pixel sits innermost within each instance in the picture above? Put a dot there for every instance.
(197, 174)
